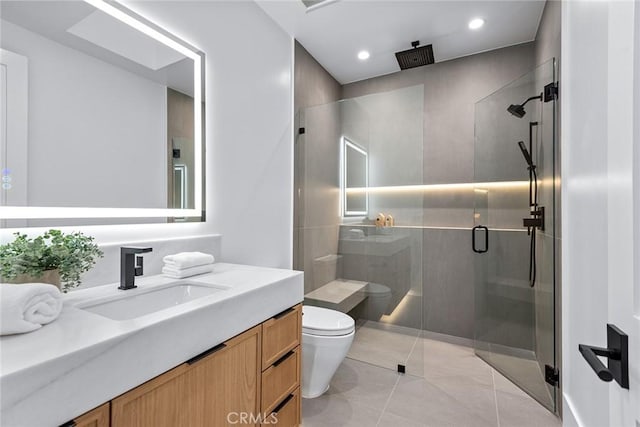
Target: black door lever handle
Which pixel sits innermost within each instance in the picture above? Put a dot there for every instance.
(591, 354)
(617, 354)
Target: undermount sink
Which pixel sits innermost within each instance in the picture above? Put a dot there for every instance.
(140, 302)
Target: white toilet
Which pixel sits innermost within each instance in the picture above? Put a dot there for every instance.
(377, 302)
(326, 338)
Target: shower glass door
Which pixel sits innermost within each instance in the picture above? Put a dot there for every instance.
(515, 265)
(359, 159)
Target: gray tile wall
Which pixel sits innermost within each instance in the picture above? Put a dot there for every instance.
(505, 304)
(451, 90)
(315, 228)
(448, 275)
(450, 106)
(313, 84)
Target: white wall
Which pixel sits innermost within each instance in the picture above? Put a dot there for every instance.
(584, 112)
(596, 87)
(76, 158)
(248, 131)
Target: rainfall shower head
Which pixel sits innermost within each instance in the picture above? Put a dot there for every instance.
(416, 57)
(518, 110)
(525, 153)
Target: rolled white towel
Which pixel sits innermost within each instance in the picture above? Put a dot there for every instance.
(181, 273)
(28, 306)
(188, 259)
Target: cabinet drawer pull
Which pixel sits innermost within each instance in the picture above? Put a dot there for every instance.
(283, 358)
(284, 313)
(282, 404)
(206, 353)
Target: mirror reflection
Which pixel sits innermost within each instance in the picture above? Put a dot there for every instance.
(356, 177)
(95, 113)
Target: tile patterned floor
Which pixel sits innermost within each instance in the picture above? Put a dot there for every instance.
(524, 371)
(384, 345)
(454, 388)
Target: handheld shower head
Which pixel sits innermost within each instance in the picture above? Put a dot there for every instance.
(525, 153)
(518, 110)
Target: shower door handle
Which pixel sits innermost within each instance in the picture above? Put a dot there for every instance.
(486, 239)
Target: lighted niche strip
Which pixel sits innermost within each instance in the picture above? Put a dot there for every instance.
(498, 185)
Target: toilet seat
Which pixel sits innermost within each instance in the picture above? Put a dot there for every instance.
(326, 338)
(377, 290)
(324, 322)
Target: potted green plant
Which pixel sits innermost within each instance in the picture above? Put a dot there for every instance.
(53, 257)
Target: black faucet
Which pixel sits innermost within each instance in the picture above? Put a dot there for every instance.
(130, 266)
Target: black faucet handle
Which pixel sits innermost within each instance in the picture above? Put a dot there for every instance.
(138, 269)
(130, 265)
(134, 250)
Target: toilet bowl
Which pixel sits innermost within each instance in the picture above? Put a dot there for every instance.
(377, 302)
(326, 338)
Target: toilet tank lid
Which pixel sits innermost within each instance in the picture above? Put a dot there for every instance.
(323, 319)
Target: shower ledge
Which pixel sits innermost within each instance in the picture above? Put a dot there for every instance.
(340, 294)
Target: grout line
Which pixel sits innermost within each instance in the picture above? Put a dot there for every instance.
(413, 347)
(386, 404)
(393, 390)
(495, 395)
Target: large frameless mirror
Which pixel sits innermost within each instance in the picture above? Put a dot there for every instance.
(101, 117)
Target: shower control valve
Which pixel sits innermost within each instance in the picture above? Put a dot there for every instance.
(536, 220)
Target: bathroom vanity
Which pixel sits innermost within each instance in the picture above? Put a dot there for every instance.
(230, 355)
(254, 374)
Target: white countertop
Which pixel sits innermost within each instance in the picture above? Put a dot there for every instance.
(82, 360)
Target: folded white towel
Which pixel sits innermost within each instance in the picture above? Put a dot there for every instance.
(188, 259)
(181, 273)
(28, 306)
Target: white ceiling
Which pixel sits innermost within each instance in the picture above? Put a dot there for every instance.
(334, 33)
(103, 30)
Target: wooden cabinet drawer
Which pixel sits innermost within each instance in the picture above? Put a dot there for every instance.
(98, 417)
(280, 380)
(199, 393)
(281, 334)
(287, 414)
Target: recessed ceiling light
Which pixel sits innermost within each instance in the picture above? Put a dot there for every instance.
(363, 55)
(476, 23)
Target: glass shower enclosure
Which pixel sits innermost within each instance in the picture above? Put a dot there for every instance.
(378, 240)
(515, 232)
(357, 231)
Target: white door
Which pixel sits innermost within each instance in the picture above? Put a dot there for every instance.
(600, 137)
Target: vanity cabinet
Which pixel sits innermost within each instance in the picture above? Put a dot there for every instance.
(98, 417)
(251, 379)
(200, 392)
(281, 334)
(281, 368)
(289, 412)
